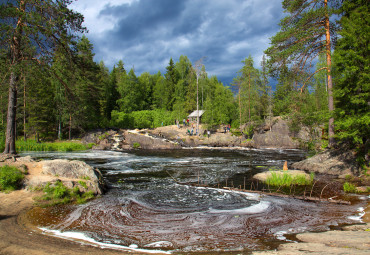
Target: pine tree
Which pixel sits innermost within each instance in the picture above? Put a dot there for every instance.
(26, 24)
(305, 33)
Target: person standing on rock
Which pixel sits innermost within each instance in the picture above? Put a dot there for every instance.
(183, 122)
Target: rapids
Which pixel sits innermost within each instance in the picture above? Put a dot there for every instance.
(150, 205)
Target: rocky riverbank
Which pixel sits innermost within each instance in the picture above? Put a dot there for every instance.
(353, 239)
(277, 135)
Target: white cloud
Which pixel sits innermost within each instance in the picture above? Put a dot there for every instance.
(147, 33)
(95, 23)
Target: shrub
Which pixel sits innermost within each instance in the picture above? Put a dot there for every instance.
(143, 119)
(60, 194)
(10, 178)
(136, 145)
(349, 187)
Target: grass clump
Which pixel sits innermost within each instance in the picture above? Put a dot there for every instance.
(10, 178)
(64, 146)
(136, 145)
(281, 179)
(59, 194)
(349, 187)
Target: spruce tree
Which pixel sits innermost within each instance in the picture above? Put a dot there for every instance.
(352, 83)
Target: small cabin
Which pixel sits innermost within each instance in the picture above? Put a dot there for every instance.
(193, 116)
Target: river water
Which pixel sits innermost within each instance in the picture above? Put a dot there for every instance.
(151, 207)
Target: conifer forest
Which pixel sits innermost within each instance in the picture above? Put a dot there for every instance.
(51, 88)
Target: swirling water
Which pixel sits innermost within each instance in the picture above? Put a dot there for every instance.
(147, 207)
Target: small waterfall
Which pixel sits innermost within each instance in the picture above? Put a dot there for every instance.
(117, 140)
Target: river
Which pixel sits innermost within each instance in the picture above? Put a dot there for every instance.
(150, 206)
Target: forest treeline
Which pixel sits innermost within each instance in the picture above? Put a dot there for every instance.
(321, 66)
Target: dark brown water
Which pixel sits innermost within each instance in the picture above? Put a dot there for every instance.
(148, 209)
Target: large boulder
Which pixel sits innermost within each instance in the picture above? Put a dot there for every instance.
(330, 162)
(277, 137)
(74, 173)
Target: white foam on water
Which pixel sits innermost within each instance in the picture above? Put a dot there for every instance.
(77, 236)
(253, 196)
(358, 217)
(257, 208)
(159, 244)
(280, 235)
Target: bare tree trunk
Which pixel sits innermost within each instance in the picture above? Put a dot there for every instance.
(330, 83)
(24, 108)
(240, 110)
(10, 125)
(197, 106)
(249, 100)
(12, 103)
(70, 127)
(59, 129)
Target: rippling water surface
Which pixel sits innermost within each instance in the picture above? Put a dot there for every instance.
(147, 208)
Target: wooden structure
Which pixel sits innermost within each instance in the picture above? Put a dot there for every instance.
(193, 116)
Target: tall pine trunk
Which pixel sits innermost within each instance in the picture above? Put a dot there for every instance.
(330, 82)
(24, 108)
(14, 77)
(10, 125)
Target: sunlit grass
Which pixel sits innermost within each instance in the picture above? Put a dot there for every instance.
(32, 145)
(59, 194)
(280, 179)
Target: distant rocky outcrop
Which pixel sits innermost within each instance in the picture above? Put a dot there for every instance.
(143, 140)
(333, 162)
(278, 135)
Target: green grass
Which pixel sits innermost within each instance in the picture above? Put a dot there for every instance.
(32, 145)
(136, 145)
(60, 194)
(10, 178)
(349, 187)
(286, 180)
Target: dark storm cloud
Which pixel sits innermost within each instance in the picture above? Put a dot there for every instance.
(147, 33)
(142, 18)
